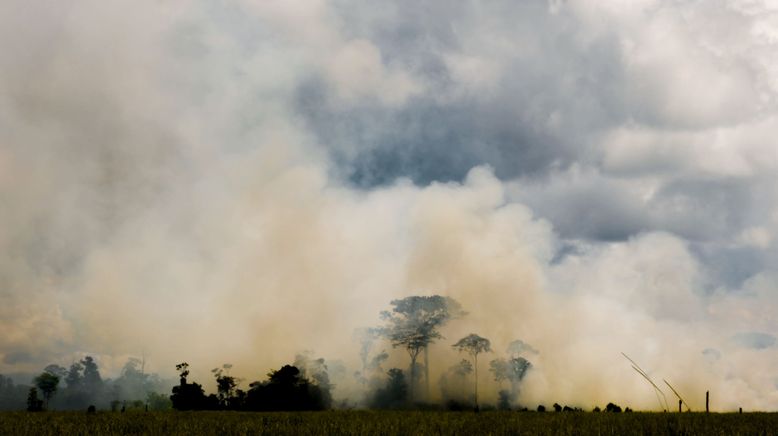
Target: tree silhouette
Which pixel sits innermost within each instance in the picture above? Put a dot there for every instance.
(513, 370)
(33, 403)
(92, 380)
(187, 396)
(394, 395)
(226, 385)
(74, 379)
(286, 389)
(474, 345)
(413, 324)
(47, 383)
(56, 370)
(11, 395)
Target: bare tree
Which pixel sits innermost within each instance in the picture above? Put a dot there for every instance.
(474, 345)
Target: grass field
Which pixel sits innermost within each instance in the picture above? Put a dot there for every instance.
(386, 423)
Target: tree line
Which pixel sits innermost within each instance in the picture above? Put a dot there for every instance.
(81, 385)
(412, 324)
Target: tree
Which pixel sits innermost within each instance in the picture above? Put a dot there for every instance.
(157, 401)
(513, 370)
(47, 383)
(474, 345)
(286, 389)
(225, 385)
(33, 403)
(11, 395)
(133, 383)
(92, 380)
(56, 370)
(413, 324)
(74, 379)
(187, 396)
(519, 347)
(394, 395)
(315, 369)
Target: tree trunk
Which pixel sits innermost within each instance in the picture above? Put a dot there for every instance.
(427, 372)
(413, 378)
(476, 380)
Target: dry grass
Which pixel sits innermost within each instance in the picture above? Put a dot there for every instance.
(386, 423)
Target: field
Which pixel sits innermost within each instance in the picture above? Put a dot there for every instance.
(386, 423)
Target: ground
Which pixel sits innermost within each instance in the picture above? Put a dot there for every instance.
(386, 423)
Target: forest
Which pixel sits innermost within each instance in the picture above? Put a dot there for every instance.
(411, 326)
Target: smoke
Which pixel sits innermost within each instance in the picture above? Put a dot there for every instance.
(166, 190)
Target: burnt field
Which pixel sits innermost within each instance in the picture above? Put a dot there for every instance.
(387, 423)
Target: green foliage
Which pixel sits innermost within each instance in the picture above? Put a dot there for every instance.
(47, 383)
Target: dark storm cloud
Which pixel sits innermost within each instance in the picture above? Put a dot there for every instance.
(537, 113)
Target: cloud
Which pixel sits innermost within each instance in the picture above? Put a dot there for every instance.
(755, 340)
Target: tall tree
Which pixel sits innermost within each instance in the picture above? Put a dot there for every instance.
(187, 396)
(414, 324)
(226, 385)
(74, 379)
(57, 370)
(92, 380)
(513, 370)
(474, 345)
(47, 383)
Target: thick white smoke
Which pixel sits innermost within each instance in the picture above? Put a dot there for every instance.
(161, 194)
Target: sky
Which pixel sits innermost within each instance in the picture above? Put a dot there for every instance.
(238, 182)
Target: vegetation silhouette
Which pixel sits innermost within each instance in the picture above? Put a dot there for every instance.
(47, 383)
(474, 345)
(189, 396)
(34, 404)
(394, 395)
(414, 323)
(287, 389)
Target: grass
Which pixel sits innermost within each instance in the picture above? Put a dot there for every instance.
(386, 423)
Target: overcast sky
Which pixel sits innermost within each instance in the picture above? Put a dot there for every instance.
(190, 178)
